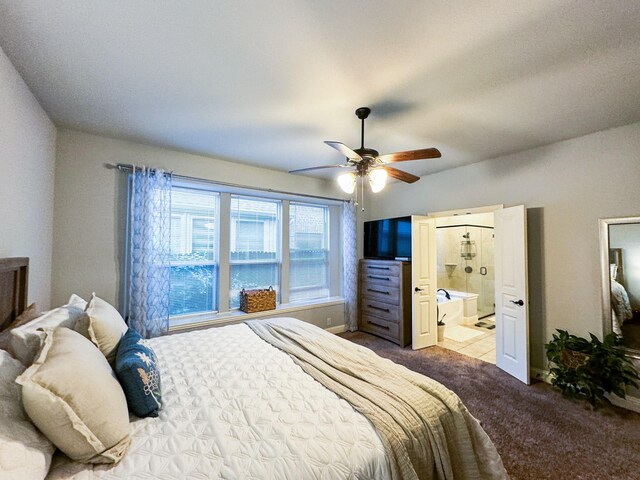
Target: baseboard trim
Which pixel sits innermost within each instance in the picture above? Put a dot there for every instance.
(539, 374)
(630, 403)
(337, 329)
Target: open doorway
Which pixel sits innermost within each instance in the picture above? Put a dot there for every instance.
(511, 297)
(466, 284)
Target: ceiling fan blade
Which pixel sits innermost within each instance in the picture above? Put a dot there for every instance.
(344, 150)
(299, 170)
(411, 155)
(400, 175)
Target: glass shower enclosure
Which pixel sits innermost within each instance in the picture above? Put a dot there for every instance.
(466, 263)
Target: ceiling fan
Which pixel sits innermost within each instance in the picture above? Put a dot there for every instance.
(368, 162)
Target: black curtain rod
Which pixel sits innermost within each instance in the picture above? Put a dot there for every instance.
(128, 168)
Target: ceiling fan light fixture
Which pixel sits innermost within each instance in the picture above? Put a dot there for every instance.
(377, 179)
(347, 182)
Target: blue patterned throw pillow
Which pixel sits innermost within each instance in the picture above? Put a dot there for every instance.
(137, 370)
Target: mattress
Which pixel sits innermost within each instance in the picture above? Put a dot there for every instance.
(234, 407)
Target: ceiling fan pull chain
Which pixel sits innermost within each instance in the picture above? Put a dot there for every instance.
(362, 191)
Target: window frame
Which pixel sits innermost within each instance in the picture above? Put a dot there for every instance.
(278, 246)
(326, 240)
(334, 258)
(187, 225)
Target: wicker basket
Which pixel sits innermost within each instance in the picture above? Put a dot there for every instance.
(257, 300)
(572, 359)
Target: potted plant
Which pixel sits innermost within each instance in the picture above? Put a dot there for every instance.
(441, 328)
(589, 369)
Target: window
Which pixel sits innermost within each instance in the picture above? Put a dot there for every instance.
(224, 241)
(308, 251)
(194, 251)
(253, 247)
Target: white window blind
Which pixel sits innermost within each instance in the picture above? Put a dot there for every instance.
(254, 253)
(308, 251)
(194, 251)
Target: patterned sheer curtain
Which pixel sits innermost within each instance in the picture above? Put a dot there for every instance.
(350, 265)
(149, 248)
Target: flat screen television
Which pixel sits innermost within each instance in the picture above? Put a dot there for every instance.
(388, 239)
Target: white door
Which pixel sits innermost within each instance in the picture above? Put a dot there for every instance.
(512, 301)
(424, 281)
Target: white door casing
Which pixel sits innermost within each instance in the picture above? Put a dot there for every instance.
(423, 282)
(512, 301)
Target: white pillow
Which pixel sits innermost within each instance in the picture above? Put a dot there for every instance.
(26, 340)
(25, 317)
(103, 325)
(24, 451)
(72, 395)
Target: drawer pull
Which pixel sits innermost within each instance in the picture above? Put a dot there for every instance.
(378, 325)
(377, 291)
(378, 277)
(377, 268)
(378, 308)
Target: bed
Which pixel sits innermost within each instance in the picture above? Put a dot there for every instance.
(620, 305)
(235, 406)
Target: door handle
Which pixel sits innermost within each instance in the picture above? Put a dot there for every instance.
(378, 308)
(378, 291)
(378, 325)
(376, 277)
(483, 270)
(417, 289)
(519, 302)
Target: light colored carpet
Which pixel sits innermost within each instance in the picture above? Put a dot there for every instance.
(460, 333)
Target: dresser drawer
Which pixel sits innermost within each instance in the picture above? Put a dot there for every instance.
(381, 293)
(386, 311)
(381, 268)
(379, 326)
(380, 279)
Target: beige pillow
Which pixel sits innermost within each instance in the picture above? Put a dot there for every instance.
(103, 325)
(24, 451)
(72, 395)
(26, 340)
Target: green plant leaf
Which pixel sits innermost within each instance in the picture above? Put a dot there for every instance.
(589, 368)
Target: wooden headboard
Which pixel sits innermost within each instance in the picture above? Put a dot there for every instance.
(14, 274)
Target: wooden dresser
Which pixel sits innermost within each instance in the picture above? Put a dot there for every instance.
(384, 299)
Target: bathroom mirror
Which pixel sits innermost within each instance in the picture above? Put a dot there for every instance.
(620, 264)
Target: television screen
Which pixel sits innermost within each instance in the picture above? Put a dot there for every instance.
(388, 239)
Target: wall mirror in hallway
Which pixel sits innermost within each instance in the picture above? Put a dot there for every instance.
(620, 264)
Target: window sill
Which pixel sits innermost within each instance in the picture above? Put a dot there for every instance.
(190, 322)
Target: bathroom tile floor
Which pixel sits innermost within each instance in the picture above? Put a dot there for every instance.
(482, 347)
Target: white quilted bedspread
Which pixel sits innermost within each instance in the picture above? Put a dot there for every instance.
(237, 408)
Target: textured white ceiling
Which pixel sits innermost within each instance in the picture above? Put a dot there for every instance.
(265, 82)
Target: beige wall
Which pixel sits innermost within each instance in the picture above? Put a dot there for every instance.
(90, 204)
(566, 187)
(27, 158)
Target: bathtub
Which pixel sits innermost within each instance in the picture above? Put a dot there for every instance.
(461, 309)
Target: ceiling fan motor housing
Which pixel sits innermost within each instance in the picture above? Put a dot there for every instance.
(367, 152)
